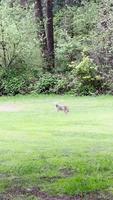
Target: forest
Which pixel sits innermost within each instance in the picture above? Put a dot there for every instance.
(59, 47)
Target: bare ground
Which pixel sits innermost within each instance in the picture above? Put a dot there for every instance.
(36, 192)
(10, 108)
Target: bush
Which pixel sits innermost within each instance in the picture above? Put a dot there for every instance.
(52, 83)
(62, 85)
(107, 74)
(15, 85)
(45, 84)
(88, 80)
(14, 81)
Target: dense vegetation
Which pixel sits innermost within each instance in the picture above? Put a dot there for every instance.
(83, 46)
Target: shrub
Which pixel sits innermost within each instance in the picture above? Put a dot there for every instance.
(15, 85)
(45, 84)
(14, 81)
(62, 85)
(88, 80)
(52, 83)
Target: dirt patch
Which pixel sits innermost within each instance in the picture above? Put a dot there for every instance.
(50, 179)
(10, 108)
(66, 172)
(63, 173)
(36, 192)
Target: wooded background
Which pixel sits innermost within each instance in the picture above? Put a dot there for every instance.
(56, 46)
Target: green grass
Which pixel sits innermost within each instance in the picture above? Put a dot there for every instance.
(61, 154)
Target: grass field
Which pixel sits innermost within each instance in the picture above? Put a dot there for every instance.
(60, 154)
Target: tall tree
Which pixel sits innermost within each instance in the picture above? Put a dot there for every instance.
(50, 34)
(41, 30)
(46, 33)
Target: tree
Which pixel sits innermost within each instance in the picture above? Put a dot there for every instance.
(41, 28)
(50, 34)
(45, 34)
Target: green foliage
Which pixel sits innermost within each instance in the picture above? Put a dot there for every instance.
(88, 80)
(66, 52)
(45, 83)
(62, 85)
(72, 32)
(85, 19)
(50, 83)
(86, 69)
(16, 81)
(101, 48)
(14, 86)
(19, 44)
(20, 55)
(80, 31)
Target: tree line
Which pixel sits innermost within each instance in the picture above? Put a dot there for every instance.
(56, 46)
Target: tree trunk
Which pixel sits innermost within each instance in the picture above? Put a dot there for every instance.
(3, 46)
(41, 30)
(50, 34)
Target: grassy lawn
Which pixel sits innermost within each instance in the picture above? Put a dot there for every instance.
(61, 154)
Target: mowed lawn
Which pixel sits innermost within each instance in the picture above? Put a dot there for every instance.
(58, 153)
